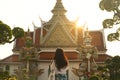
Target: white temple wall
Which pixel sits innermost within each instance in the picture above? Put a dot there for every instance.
(45, 66)
(12, 68)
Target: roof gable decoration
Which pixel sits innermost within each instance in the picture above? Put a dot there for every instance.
(48, 33)
(60, 21)
(58, 34)
(67, 28)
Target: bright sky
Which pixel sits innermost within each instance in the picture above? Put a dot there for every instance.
(23, 12)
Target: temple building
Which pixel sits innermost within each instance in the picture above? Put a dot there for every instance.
(57, 32)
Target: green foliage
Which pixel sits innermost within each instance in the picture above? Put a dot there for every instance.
(111, 6)
(28, 43)
(4, 75)
(113, 36)
(106, 5)
(100, 68)
(94, 77)
(108, 23)
(114, 66)
(18, 32)
(1, 22)
(7, 35)
(103, 73)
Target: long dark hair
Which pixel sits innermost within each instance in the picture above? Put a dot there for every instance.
(61, 60)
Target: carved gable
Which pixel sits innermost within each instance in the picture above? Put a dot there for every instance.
(58, 37)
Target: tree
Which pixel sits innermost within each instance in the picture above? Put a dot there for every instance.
(4, 75)
(94, 77)
(103, 73)
(113, 65)
(8, 35)
(111, 6)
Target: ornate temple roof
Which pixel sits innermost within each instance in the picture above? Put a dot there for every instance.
(97, 40)
(59, 32)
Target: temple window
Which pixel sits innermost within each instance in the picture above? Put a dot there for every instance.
(7, 67)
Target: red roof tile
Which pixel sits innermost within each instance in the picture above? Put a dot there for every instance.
(97, 40)
(11, 58)
(37, 37)
(102, 57)
(50, 55)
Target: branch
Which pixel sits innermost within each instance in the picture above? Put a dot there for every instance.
(11, 40)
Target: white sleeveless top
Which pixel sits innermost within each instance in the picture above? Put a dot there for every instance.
(61, 71)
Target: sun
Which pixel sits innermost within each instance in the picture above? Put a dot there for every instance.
(80, 22)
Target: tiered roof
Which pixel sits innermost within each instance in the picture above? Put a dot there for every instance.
(59, 32)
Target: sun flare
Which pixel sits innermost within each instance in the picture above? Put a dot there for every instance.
(80, 23)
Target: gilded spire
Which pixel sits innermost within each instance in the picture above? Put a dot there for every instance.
(59, 9)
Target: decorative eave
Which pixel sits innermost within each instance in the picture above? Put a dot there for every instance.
(47, 56)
